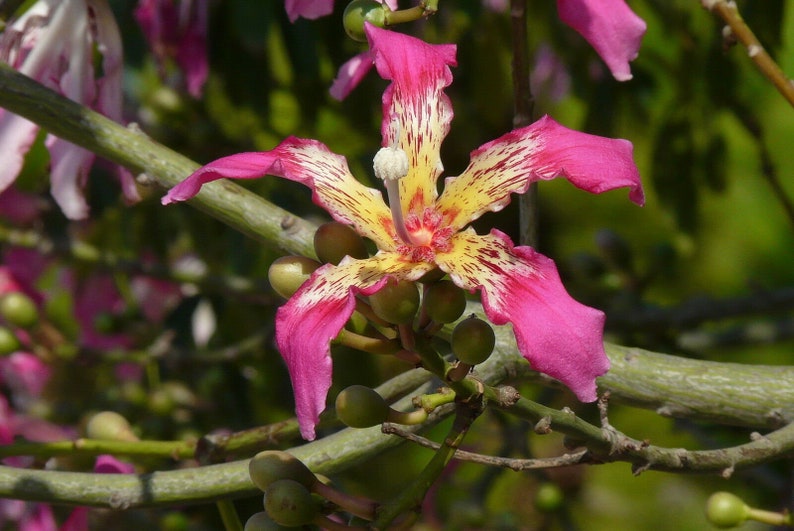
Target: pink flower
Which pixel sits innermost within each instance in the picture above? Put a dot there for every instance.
(177, 29)
(310, 9)
(54, 42)
(611, 28)
(421, 231)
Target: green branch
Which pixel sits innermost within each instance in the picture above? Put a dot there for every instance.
(129, 147)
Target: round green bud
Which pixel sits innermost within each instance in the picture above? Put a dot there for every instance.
(288, 273)
(549, 497)
(359, 11)
(396, 302)
(333, 241)
(273, 465)
(174, 521)
(289, 503)
(19, 309)
(9, 343)
(109, 426)
(434, 275)
(444, 301)
(473, 340)
(261, 521)
(359, 406)
(726, 510)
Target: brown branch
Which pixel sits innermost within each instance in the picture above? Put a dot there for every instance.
(728, 12)
(575, 458)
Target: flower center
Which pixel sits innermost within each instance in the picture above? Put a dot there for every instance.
(428, 236)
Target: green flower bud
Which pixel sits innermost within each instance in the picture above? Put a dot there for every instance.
(289, 503)
(434, 275)
(359, 406)
(288, 273)
(109, 426)
(444, 301)
(359, 11)
(473, 340)
(9, 343)
(396, 302)
(273, 465)
(261, 521)
(549, 497)
(19, 309)
(333, 241)
(725, 510)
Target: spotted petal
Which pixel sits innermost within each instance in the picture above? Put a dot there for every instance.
(311, 163)
(559, 336)
(308, 322)
(416, 112)
(611, 28)
(540, 151)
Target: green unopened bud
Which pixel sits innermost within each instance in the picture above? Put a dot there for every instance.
(19, 309)
(444, 301)
(289, 503)
(473, 340)
(261, 521)
(359, 11)
(549, 497)
(9, 343)
(109, 426)
(359, 406)
(725, 510)
(396, 302)
(333, 241)
(288, 273)
(273, 465)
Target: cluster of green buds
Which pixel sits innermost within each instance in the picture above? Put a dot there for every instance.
(294, 496)
(399, 319)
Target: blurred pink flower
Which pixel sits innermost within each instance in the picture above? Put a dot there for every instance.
(54, 42)
(611, 28)
(177, 30)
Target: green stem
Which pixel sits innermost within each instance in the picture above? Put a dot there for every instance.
(411, 498)
(229, 516)
(93, 447)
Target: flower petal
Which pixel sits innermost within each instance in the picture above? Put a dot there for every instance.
(310, 9)
(310, 163)
(313, 317)
(559, 336)
(540, 151)
(416, 112)
(350, 75)
(611, 28)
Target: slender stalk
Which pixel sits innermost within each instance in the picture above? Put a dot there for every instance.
(728, 12)
(229, 516)
(523, 107)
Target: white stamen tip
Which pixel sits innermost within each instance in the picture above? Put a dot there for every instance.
(390, 164)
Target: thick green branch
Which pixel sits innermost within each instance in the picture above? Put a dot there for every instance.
(128, 146)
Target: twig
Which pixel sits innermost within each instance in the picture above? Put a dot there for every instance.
(575, 458)
(728, 12)
(523, 106)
